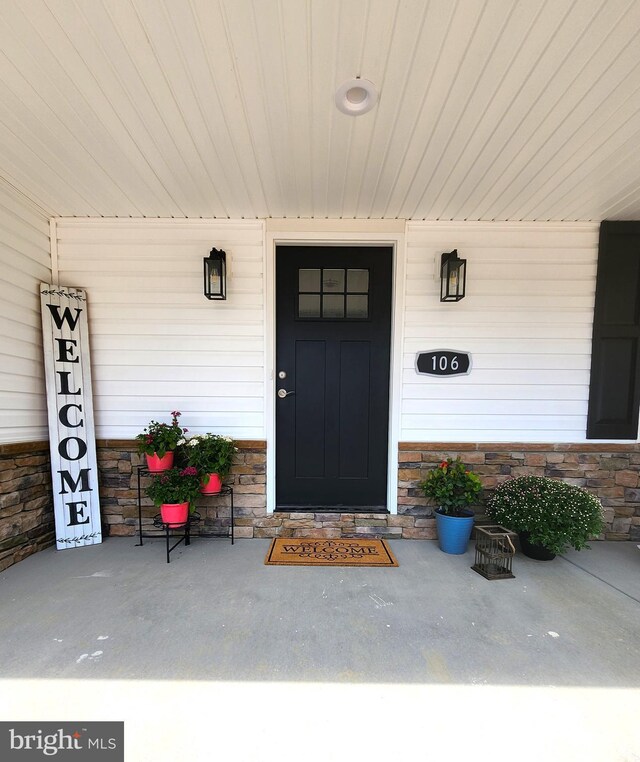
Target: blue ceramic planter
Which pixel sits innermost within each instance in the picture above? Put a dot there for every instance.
(454, 531)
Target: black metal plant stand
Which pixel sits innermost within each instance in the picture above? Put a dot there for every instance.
(193, 519)
(186, 537)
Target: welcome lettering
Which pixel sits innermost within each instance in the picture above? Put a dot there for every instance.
(72, 453)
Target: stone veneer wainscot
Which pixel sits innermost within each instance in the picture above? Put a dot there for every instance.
(611, 471)
(117, 466)
(26, 504)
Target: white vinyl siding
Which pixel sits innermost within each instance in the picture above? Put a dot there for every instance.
(25, 262)
(526, 320)
(157, 343)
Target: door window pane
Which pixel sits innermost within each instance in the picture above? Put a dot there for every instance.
(309, 305)
(357, 280)
(333, 293)
(333, 281)
(333, 306)
(357, 306)
(309, 280)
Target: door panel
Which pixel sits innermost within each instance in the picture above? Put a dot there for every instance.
(333, 328)
(355, 401)
(309, 443)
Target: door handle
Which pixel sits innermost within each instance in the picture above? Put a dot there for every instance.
(282, 393)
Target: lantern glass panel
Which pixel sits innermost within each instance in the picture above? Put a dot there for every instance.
(215, 278)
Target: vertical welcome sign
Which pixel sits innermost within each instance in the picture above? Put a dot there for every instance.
(65, 336)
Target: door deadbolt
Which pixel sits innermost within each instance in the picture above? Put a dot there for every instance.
(281, 374)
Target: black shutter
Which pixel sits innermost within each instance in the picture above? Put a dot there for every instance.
(615, 365)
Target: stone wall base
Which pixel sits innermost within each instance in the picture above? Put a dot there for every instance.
(610, 471)
(118, 461)
(333, 525)
(26, 503)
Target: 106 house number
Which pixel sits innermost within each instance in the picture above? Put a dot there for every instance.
(443, 362)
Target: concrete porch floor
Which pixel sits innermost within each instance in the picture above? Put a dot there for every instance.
(261, 662)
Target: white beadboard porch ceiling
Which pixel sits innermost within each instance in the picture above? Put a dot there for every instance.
(488, 109)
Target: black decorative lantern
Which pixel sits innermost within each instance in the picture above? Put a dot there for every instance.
(215, 275)
(494, 552)
(453, 276)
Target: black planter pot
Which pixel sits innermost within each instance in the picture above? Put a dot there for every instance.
(538, 552)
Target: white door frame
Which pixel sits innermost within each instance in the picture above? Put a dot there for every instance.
(338, 233)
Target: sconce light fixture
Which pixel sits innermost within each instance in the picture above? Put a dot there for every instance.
(453, 276)
(215, 275)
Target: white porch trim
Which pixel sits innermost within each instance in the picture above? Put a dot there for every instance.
(337, 232)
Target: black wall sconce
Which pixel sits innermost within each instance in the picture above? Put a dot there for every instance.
(215, 275)
(453, 277)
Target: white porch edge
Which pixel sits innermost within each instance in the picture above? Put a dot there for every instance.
(338, 232)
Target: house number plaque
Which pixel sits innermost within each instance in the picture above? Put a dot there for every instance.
(443, 362)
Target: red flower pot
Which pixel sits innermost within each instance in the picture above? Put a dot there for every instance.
(174, 514)
(211, 487)
(155, 463)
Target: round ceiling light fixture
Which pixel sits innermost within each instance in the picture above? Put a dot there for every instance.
(356, 96)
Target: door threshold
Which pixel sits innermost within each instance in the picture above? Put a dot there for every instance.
(332, 509)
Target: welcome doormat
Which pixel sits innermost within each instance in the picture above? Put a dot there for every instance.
(311, 552)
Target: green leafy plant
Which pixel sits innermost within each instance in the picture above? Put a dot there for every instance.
(556, 515)
(160, 438)
(452, 486)
(175, 486)
(210, 454)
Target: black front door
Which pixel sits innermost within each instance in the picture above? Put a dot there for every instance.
(333, 316)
